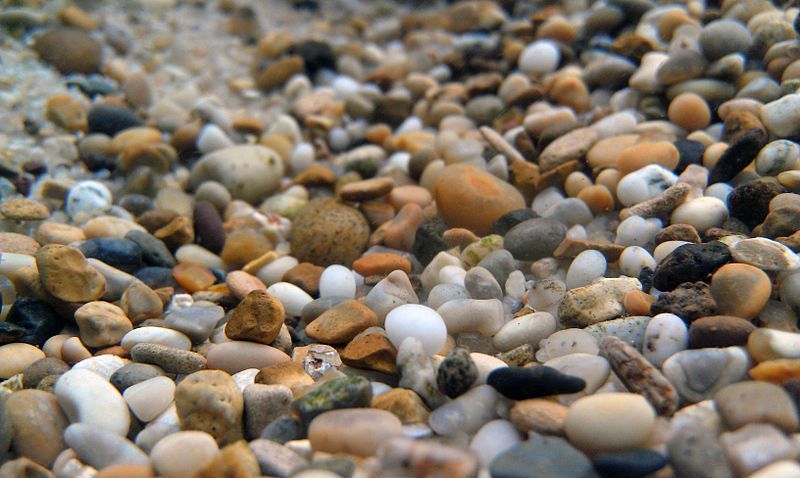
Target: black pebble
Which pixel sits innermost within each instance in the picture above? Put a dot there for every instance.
(521, 383)
(689, 152)
(10, 333)
(110, 119)
(511, 219)
(749, 202)
(456, 373)
(741, 153)
(123, 254)
(316, 55)
(690, 263)
(37, 318)
(428, 240)
(629, 464)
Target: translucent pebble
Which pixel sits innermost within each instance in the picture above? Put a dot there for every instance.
(273, 272)
(88, 198)
(539, 58)
(452, 275)
(586, 267)
(493, 439)
(212, 138)
(633, 259)
(546, 199)
(471, 315)
(665, 248)
(302, 157)
(467, 413)
(418, 321)
(337, 281)
(566, 342)
(444, 293)
(719, 191)
(546, 295)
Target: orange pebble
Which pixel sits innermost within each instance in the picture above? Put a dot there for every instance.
(637, 302)
(689, 111)
(381, 264)
(638, 156)
(193, 277)
(597, 197)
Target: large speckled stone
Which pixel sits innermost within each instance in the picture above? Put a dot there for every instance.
(326, 232)
(210, 401)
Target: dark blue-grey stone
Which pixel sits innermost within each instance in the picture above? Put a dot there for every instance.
(10, 333)
(110, 119)
(37, 317)
(500, 263)
(521, 383)
(542, 457)
(156, 277)
(123, 254)
(629, 464)
(456, 373)
(535, 239)
(154, 251)
(511, 219)
(428, 240)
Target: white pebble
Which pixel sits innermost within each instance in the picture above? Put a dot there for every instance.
(782, 116)
(539, 58)
(452, 275)
(156, 335)
(666, 334)
(302, 157)
(273, 272)
(643, 184)
(493, 439)
(586, 267)
(212, 138)
(472, 315)
(665, 248)
(183, 454)
(637, 231)
(546, 295)
(150, 398)
(702, 213)
(719, 191)
(337, 281)
(292, 297)
(566, 342)
(418, 321)
(88, 198)
(527, 329)
(86, 397)
(633, 259)
(546, 199)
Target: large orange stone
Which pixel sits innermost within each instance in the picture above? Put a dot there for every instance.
(474, 199)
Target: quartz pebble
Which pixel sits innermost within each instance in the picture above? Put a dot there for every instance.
(423, 323)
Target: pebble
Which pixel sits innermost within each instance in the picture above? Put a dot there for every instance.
(689, 263)
(290, 296)
(88, 398)
(639, 462)
(101, 324)
(149, 398)
(743, 403)
(238, 355)
(596, 302)
(418, 321)
(342, 323)
(754, 446)
(470, 315)
(258, 318)
(765, 254)
(609, 422)
(339, 393)
(768, 344)
(337, 281)
(539, 58)
(326, 232)
(696, 450)
(16, 357)
(67, 275)
(535, 238)
(171, 359)
(527, 329)
(275, 459)
(262, 405)
(740, 290)
(665, 335)
(249, 172)
(456, 373)
(720, 331)
(38, 425)
(183, 453)
(210, 401)
(462, 189)
(643, 184)
(355, 431)
(101, 448)
(780, 116)
(534, 382)
(541, 456)
(698, 374)
(133, 373)
(83, 56)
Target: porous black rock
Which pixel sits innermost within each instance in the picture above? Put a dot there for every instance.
(690, 263)
(37, 317)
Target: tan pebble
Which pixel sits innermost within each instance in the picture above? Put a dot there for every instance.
(56, 233)
(125, 471)
(540, 416)
(110, 226)
(638, 156)
(366, 189)
(289, 374)
(609, 178)
(637, 302)
(16, 357)
(538, 122)
(606, 152)
(712, 154)
(326, 232)
(210, 401)
(258, 318)
(278, 72)
(244, 245)
(689, 111)
(576, 181)
(740, 290)
(241, 283)
(176, 233)
(101, 324)
(459, 237)
(193, 277)
(238, 355)
(739, 123)
(357, 431)
(140, 303)
(557, 28)
(14, 243)
(73, 351)
(236, 460)
(400, 232)
(22, 209)
(52, 348)
(403, 403)
(305, 276)
(67, 112)
(598, 198)
(609, 422)
(66, 274)
(134, 137)
(402, 195)
(316, 175)
(256, 264)
(571, 91)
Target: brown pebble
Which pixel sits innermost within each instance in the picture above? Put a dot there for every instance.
(366, 189)
(67, 275)
(70, 50)
(597, 197)
(193, 277)
(326, 232)
(372, 351)
(689, 111)
(14, 243)
(341, 323)
(241, 283)
(539, 415)
(400, 232)
(257, 318)
(638, 156)
(316, 175)
(67, 112)
(403, 403)
(637, 302)
(740, 290)
(176, 233)
(305, 276)
(244, 245)
(459, 237)
(719, 331)
(678, 232)
(776, 371)
(289, 374)
(381, 263)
